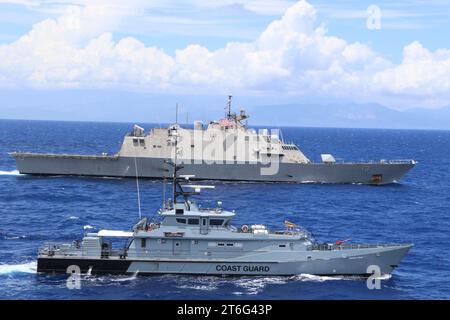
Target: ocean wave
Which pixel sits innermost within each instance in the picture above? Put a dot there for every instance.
(199, 287)
(125, 279)
(121, 278)
(10, 173)
(101, 280)
(315, 278)
(254, 286)
(13, 237)
(384, 277)
(29, 267)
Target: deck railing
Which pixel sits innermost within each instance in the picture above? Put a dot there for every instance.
(394, 161)
(330, 246)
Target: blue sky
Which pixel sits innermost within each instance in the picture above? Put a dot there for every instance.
(262, 51)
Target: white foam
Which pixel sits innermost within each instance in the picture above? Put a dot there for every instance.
(311, 277)
(121, 279)
(29, 267)
(87, 227)
(14, 237)
(384, 277)
(10, 173)
(256, 285)
(199, 287)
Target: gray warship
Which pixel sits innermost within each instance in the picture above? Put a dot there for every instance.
(223, 150)
(189, 239)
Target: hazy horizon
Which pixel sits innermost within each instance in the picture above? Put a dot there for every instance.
(290, 63)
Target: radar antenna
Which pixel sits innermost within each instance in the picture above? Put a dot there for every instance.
(236, 119)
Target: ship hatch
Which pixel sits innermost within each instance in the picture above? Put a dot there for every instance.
(204, 226)
(376, 178)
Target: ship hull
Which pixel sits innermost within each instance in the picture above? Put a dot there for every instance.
(322, 264)
(155, 168)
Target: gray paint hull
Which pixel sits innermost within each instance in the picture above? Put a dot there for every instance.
(115, 166)
(335, 262)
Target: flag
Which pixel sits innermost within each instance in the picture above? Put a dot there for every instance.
(225, 123)
(289, 224)
(339, 242)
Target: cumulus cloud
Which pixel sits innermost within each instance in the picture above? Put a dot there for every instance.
(421, 72)
(292, 56)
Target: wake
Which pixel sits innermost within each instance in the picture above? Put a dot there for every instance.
(29, 267)
(10, 173)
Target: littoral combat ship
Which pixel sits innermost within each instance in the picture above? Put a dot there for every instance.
(189, 239)
(225, 150)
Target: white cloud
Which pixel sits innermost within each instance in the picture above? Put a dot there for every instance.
(262, 7)
(421, 73)
(292, 56)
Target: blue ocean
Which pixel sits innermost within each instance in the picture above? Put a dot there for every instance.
(38, 209)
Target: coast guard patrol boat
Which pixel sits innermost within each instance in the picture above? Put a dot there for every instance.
(189, 239)
(224, 150)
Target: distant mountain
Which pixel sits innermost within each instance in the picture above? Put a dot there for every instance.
(349, 116)
(139, 107)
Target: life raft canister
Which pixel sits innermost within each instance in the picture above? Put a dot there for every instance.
(245, 228)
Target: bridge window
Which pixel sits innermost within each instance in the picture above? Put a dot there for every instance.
(179, 211)
(215, 222)
(193, 221)
(135, 142)
(183, 221)
(143, 243)
(142, 142)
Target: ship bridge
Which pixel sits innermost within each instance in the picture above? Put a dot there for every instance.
(196, 217)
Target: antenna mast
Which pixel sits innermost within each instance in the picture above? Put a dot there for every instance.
(175, 167)
(137, 186)
(228, 115)
(177, 190)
